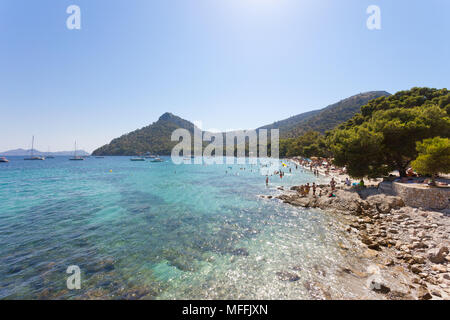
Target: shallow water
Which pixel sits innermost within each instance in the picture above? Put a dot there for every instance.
(160, 231)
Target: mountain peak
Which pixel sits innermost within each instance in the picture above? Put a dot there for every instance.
(167, 116)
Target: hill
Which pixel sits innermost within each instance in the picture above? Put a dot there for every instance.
(324, 119)
(154, 138)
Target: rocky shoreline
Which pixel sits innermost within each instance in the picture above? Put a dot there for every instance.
(409, 247)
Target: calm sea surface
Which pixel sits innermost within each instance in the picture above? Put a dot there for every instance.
(160, 231)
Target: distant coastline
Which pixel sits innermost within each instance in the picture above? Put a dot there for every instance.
(24, 152)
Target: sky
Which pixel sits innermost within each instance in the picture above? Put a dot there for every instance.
(231, 64)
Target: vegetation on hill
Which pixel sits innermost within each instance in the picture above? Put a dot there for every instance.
(374, 133)
(324, 119)
(155, 138)
(308, 145)
(383, 137)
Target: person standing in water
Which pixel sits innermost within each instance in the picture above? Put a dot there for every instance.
(314, 187)
(307, 189)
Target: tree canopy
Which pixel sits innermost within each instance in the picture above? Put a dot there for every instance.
(434, 156)
(383, 136)
(310, 144)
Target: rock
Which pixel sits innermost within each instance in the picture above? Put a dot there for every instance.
(398, 295)
(378, 286)
(438, 255)
(439, 268)
(416, 280)
(354, 272)
(240, 252)
(287, 276)
(384, 204)
(105, 265)
(419, 245)
(423, 294)
(436, 293)
(366, 240)
(393, 231)
(317, 291)
(418, 259)
(389, 263)
(374, 246)
(370, 253)
(416, 269)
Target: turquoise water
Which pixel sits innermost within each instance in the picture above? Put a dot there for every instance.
(158, 231)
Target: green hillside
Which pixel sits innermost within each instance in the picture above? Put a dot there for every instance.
(154, 138)
(324, 119)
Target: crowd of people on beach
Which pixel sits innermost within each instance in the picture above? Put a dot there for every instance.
(319, 167)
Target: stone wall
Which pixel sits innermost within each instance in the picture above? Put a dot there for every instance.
(417, 196)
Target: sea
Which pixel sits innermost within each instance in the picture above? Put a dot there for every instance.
(145, 230)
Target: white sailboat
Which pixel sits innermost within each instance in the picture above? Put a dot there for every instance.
(32, 157)
(75, 157)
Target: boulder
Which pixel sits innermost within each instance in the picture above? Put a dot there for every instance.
(438, 255)
(379, 286)
(384, 204)
(423, 294)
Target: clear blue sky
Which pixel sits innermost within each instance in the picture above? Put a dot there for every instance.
(228, 63)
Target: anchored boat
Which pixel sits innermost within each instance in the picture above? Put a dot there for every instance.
(32, 157)
(137, 159)
(3, 159)
(75, 157)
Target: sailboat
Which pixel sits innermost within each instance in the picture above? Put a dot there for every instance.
(49, 156)
(32, 157)
(75, 157)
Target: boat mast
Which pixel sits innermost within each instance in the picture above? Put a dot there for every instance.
(32, 146)
(75, 152)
